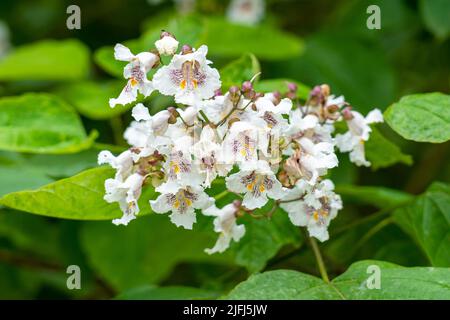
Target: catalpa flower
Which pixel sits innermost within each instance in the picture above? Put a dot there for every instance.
(188, 77)
(273, 114)
(182, 204)
(146, 134)
(244, 139)
(136, 71)
(312, 206)
(127, 194)
(257, 181)
(225, 224)
(359, 130)
(210, 156)
(310, 160)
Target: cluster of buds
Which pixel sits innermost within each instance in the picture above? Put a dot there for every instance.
(261, 147)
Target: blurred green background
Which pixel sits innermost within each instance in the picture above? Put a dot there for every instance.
(312, 42)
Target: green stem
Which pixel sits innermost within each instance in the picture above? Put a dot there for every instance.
(319, 260)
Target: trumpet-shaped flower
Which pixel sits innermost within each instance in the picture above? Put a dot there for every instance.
(182, 205)
(188, 77)
(136, 73)
(225, 224)
(257, 181)
(359, 131)
(312, 206)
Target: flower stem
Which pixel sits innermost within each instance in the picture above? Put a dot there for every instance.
(319, 260)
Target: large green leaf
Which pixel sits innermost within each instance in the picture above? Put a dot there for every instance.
(41, 123)
(145, 251)
(91, 98)
(263, 41)
(421, 117)
(238, 71)
(427, 220)
(79, 197)
(20, 172)
(149, 292)
(396, 283)
(436, 15)
(46, 60)
(264, 238)
(383, 153)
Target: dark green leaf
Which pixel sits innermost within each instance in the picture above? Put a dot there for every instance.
(421, 117)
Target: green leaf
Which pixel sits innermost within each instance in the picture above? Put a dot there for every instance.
(396, 283)
(379, 197)
(264, 238)
(264, 41)
(79, 197)
(436, 15)
(427, 220)
(149, 292)
(41, 123)
(145, 251)
(383, 153)
(238, 71)
(46, 60)
(421, 117)
(20, 172)
(271, 85)
(91, 98)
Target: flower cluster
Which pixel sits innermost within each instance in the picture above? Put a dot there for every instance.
(261, 147)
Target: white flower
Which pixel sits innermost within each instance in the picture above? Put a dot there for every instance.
(273, 114)
(136, 71)
(182, 204)
(257, 181)
(188, 77)
(244, 139)
(167, 45)
(210, 156)
(359, 130)
(126, 193)
(225, 224)
(311, 160)
(146, 133)
(123, 163)
(248, 12)
(312, 206)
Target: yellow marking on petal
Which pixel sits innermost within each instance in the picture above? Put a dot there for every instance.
(250, 186)
(261, 188)
(175, 167)
(176, 204)
(188, 202)
(316, 215)
(195, 83)
(183, 84)
(361, 141)
(133, 82)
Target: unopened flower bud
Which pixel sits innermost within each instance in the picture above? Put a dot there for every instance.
(292, 87)
(247, 86)
(250, 94)
(347, 113)
(332, 108)
(185, 49)
(234, 93)
(325, 89)
(276, 97)
(231, 121)
(173, 115)
(291, 95)
(167, 44)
